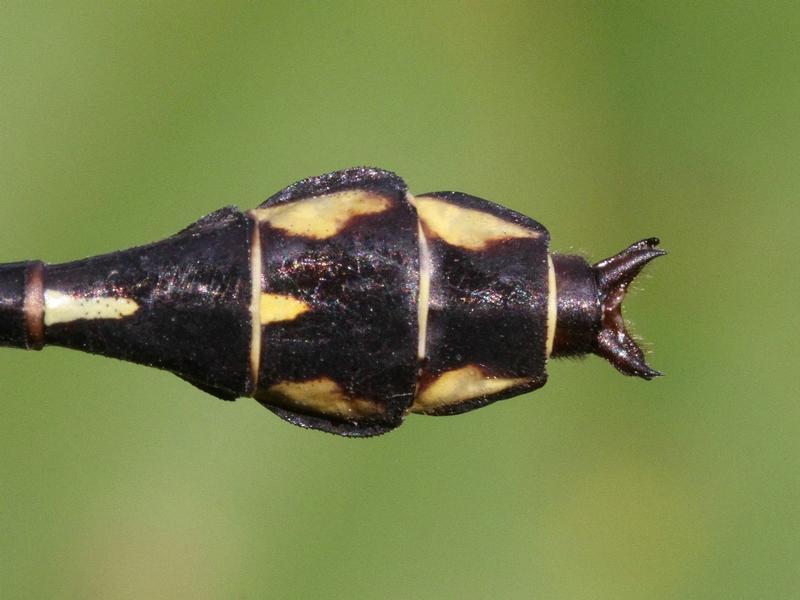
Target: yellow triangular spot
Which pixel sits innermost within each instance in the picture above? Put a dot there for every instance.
(458, 385)
(322, 217)
(466, 227)
(278, 307)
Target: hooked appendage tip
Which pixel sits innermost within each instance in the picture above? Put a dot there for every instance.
(614, 275)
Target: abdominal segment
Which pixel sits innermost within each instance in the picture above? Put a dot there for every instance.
(376, 303)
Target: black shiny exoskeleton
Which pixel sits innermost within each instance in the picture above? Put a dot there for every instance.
(342, 303)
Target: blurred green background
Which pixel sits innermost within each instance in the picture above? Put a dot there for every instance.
(120, 123)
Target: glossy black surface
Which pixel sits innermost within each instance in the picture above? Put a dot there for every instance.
(12, 298)
(590, 307)
(362, 286)
(193, 291)
(488, 307)
(578, 302)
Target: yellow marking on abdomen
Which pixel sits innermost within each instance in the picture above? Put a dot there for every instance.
(322, 217)
(322, 396)
(255, 301)
(552, 305)
(65, 308)
(423, 301)
(279, 307)
(459, 385)
(466, 227)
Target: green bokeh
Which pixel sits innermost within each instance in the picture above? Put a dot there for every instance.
(122, 122)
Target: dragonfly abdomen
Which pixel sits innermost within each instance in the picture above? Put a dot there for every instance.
(342, 303)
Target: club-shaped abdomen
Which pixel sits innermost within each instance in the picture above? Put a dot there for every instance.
(342, 303)
(376, 303)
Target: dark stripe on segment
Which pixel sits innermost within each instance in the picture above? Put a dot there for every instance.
(194, 297)
(488, 310)
(348, 363)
